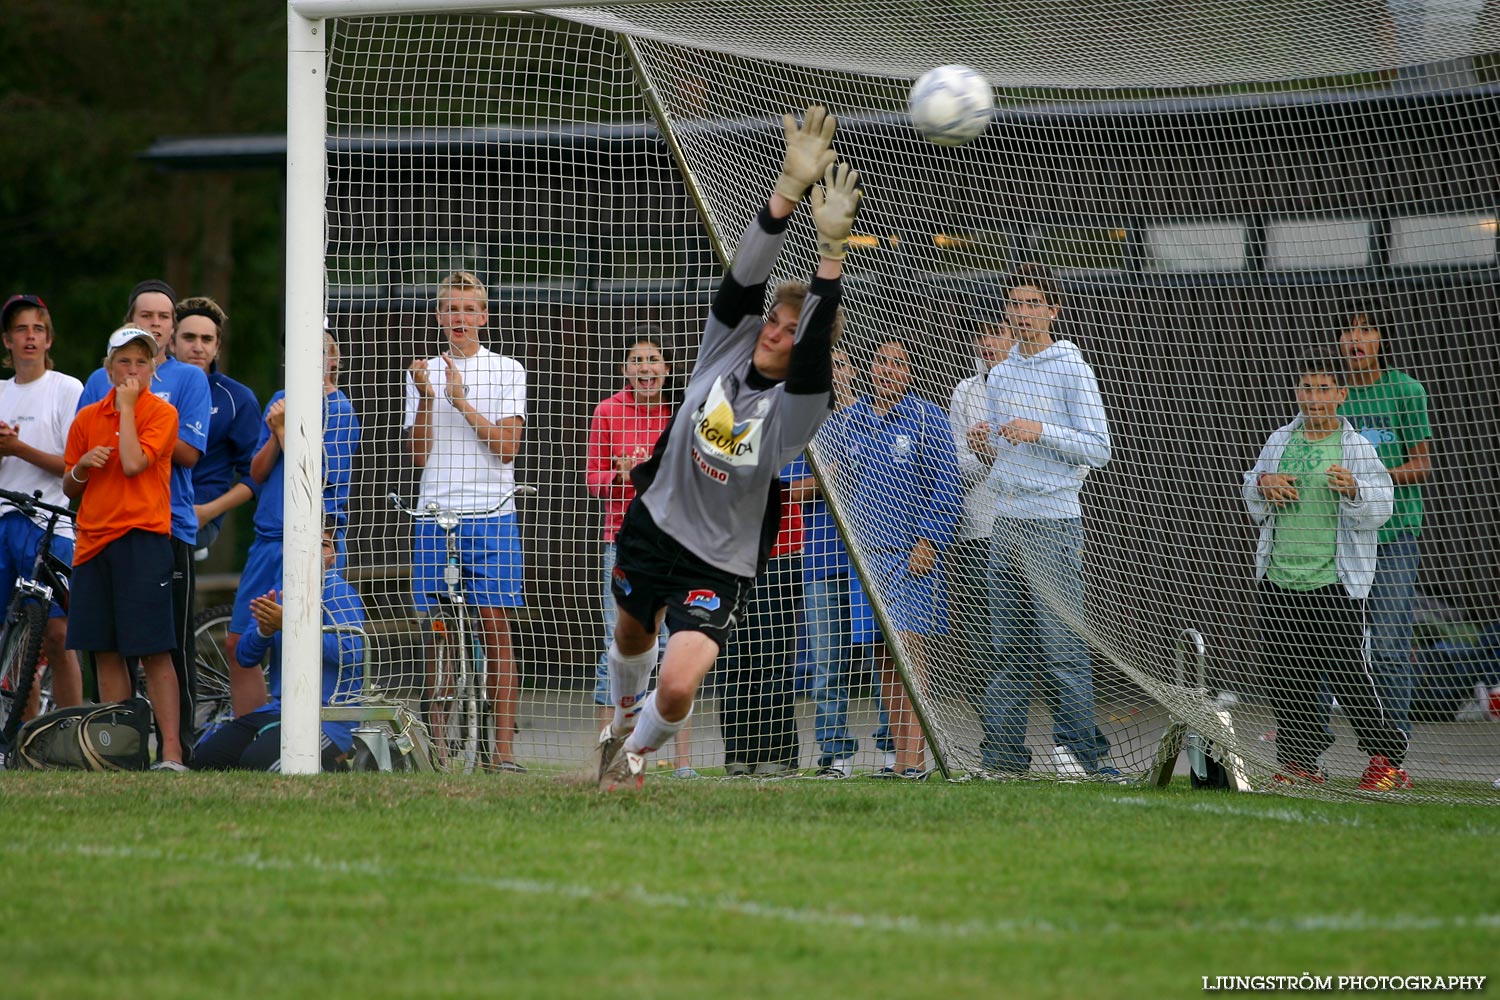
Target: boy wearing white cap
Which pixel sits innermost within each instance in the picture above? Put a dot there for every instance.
(118, 466)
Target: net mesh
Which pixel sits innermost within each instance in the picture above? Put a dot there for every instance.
(1211, 195)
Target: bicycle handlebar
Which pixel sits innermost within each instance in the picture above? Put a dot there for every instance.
(433, 510)
(28, 503)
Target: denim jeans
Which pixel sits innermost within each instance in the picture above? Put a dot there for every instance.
(1035, 566)
(755, 671)
(825, 611)
(1391, 614)
(971, 623)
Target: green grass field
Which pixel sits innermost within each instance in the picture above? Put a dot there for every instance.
(414, 886)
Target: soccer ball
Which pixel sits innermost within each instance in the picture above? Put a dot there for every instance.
(951, 105)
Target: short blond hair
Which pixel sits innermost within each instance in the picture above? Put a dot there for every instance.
(466, 281)
(789, 293)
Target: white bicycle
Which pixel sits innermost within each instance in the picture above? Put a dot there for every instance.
(457, 683)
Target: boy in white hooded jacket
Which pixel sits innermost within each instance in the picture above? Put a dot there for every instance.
(1048, 430)
(1320, 494)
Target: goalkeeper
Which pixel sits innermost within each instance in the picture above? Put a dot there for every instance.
(707, 505)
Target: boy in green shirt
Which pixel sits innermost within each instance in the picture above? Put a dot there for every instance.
(1320, 494)
(1389, 408)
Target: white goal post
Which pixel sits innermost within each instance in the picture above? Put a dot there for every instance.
(1204, 201)
(305, 241)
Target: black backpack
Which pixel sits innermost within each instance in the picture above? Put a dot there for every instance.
(112, 737)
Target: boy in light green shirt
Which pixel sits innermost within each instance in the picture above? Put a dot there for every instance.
(1320, 494)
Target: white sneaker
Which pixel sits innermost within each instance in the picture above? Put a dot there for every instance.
(609, 745)
(1477, 708)
(1066, 765)
(626, 772)
(844, 764)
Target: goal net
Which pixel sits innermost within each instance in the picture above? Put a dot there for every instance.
(1165, 216)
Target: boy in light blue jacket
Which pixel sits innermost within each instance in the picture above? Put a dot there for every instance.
(1320, 494)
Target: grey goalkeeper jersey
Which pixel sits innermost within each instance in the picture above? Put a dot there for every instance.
(710, 477)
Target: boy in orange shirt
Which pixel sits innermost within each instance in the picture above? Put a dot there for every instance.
(119, 460)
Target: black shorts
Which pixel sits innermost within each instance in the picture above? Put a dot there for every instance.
(653, 571)
(121, 599)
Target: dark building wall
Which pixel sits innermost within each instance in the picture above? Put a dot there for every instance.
(587, 239)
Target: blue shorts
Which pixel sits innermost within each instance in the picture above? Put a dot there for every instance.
(489, 549)
(19, 539)
(261, 575)
(122, 598)
(916, 604)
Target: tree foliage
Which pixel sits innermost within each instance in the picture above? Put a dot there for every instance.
(86, 87)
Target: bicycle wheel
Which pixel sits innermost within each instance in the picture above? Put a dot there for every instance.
(446, 700)
(45, 702)
(211, 692)
(471, 701)
(18, 658)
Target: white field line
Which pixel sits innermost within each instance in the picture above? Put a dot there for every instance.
(1356, 922)
(1278, 814)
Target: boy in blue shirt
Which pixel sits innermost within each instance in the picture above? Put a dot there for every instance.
(221, 479)
(262, 572)
(835, 613)
(252, 742)
(894, 463)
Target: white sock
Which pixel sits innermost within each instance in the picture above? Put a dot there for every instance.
(651, 730)
(627, 685)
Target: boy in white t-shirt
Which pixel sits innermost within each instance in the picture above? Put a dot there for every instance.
(465, 411)
(36, 410)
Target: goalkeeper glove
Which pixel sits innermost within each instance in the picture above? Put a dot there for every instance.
(834, 204)
(809, 151)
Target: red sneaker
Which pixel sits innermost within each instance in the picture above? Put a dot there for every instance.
(1294, 774)
(1383, 776)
